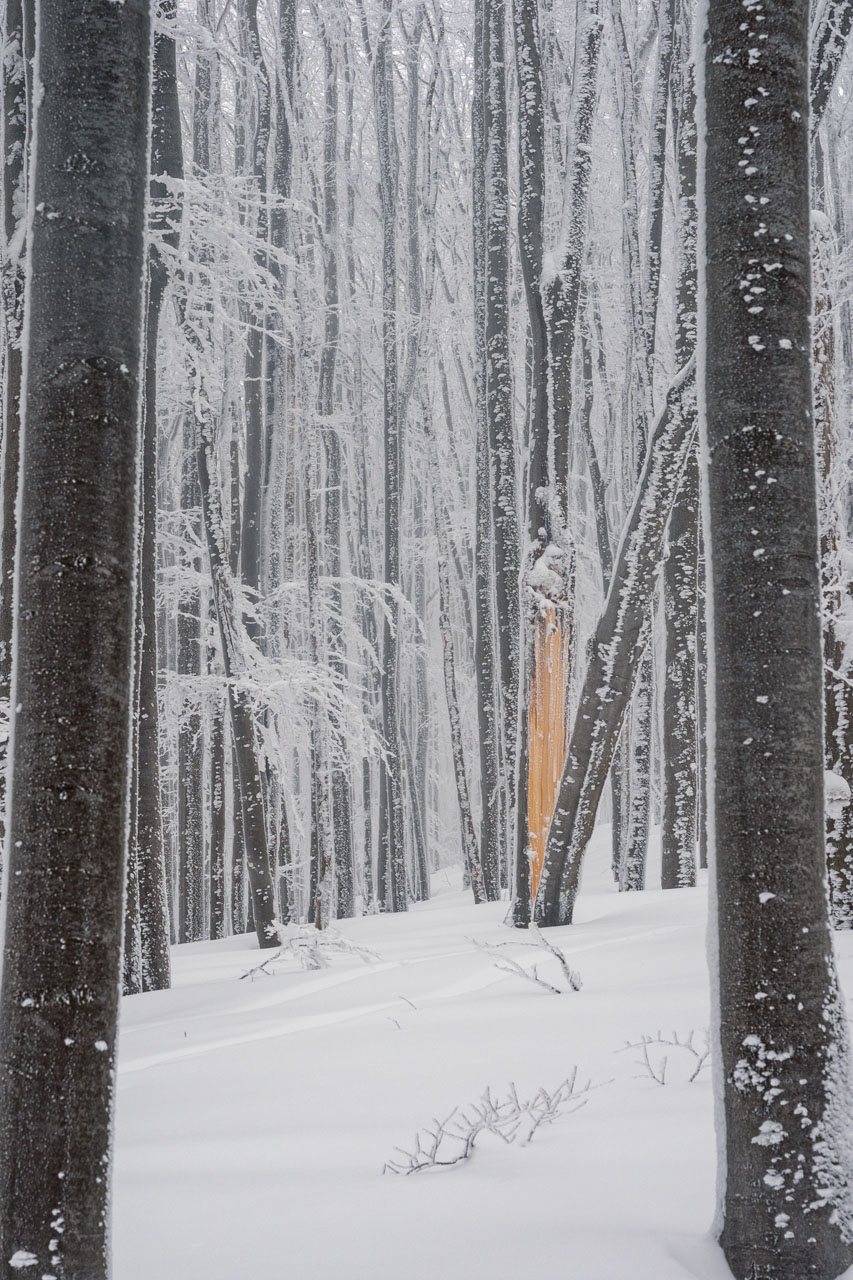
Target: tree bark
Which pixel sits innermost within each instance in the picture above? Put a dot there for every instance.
(73, 637)
(680, 780)
(166, 161)
(392, 857)
(783, 1069)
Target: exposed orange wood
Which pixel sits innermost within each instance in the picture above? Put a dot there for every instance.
(547, 728)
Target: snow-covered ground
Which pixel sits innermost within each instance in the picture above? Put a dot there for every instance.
(255, 1116)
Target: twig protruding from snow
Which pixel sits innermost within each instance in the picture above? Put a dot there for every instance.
(508, 965)
(452, 1140)
(311, 949)
(655, 1068)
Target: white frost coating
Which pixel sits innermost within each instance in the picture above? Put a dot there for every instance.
(548, 574)
(22, 1258)
(836, 793)
(770, 1134)
(832, 1137)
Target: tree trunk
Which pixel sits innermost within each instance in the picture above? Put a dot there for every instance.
(392, 877)
(74, 637)
(340, 777)
(678, 855)
(485, 641)
(681, 778)
(531, 155)
(190, 869)
(783, 1071)
(166, 160)
(498, 392)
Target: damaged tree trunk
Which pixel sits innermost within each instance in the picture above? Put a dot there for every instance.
(617, 648)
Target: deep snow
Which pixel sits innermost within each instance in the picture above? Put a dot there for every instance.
(255, 1116)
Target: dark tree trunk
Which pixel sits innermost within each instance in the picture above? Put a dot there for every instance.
(681, 570)
(678, 855)
(253, 379)
(562, 291)
(783, 1072)
(498, 406)
(190, 868)
(531, 152)
(74, 637)
(392, 877)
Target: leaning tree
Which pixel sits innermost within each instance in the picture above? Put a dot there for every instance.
(67, 825)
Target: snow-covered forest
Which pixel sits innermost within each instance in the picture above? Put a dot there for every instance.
(426, 587)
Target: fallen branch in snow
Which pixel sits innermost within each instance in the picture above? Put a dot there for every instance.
(508, 965)
(452, 1140)
(655, 1068)
(311, 949)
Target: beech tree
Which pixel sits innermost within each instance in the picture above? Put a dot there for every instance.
(783, 1065)
(74, 628)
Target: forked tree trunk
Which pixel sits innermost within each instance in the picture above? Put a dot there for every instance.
(783, 1066)
(74, 632)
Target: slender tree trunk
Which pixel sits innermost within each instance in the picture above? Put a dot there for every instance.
(680, 779)
(190, 868)
(681, 743)
(498, 406)
(392, 878)
(340, 777)
(485, 643)
(786, 1178)
(253, 381)
(166, 162)
(562, 290)
(531, 149)
(67, 827)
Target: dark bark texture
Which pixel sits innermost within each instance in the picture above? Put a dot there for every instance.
(783, 1067)
(74, 633)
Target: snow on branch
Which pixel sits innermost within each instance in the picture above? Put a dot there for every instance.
(655, 1064)
(311, 949)
(508, 965)
(452, 1140)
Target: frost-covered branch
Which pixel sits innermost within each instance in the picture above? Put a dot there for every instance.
(451, 1141)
